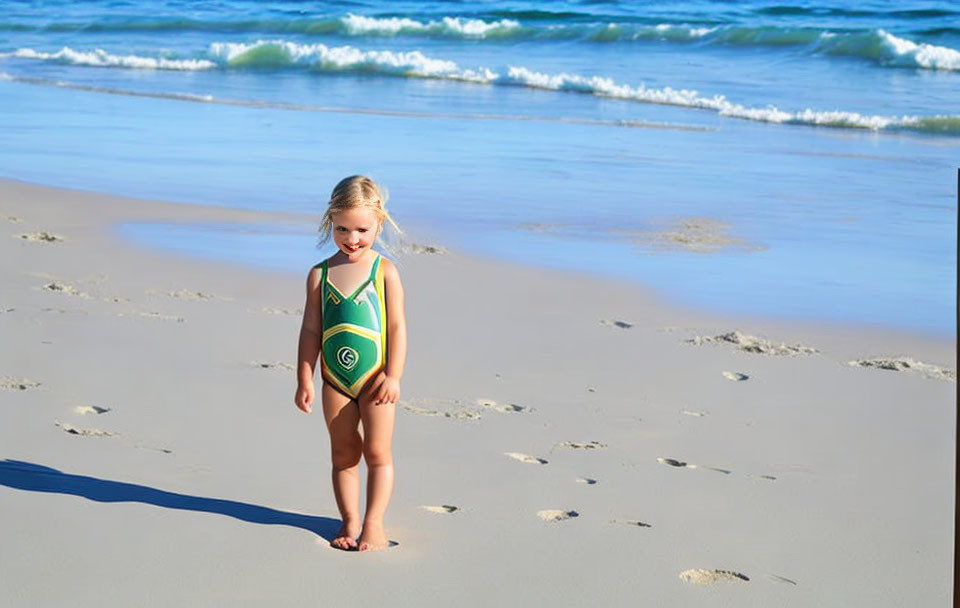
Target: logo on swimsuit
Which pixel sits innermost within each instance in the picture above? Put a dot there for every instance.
(347, 357)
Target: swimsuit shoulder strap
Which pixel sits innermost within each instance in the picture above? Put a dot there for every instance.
(323, 273)
(374, 267)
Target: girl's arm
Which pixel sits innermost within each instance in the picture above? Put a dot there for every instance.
(389, 390)
(309, 347)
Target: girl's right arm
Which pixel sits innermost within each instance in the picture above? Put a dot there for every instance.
(309, 346)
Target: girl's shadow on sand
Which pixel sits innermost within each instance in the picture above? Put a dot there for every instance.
(38, 478)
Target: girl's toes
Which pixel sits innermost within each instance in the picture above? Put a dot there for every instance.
(341, 543)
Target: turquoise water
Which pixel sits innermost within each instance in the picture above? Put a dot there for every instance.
(826, 139)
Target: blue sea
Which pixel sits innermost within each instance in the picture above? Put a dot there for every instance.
(819, 140)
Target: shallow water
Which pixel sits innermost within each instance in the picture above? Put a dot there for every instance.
(825, 140)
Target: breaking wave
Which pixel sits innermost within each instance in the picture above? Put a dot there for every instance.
(320, 58)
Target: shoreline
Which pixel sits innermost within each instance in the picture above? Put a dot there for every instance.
(147, 409)
(194, 214)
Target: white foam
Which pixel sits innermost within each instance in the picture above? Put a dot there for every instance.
(469, 28)
(101, 58)
(910, 54)
(408, 63)
(606, 87)
(320, 57)
(684, 31)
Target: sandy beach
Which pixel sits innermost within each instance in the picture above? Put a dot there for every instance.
(561, 440)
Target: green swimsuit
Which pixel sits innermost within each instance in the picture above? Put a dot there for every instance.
(354, 337)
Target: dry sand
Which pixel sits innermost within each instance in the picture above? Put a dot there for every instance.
(152, 454)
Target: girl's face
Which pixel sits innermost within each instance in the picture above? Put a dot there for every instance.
(354, 231)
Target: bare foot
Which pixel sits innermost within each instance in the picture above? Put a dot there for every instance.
(373, 538)
(345, 538)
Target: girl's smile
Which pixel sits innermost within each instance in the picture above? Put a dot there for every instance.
(354, 231)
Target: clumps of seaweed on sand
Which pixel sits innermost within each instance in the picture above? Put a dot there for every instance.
(21, 384)
(753, 344)
(907, 364)
(40, 237)
(700, 576)
(693, 234)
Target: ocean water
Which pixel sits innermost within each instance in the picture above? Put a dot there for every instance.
(791, 158)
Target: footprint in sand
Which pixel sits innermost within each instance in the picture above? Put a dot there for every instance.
(631, 522)
(65, 288)
(616, 323)
(693, 413)
(556, 515)
(153, 315)
(699, 576)
(64, 311)
(185, 294)
(506, 408)
(907, 364)
(153, 449)
(69, 428)
(445, 408)
(426, 249)
(275, 365)
(13, 219)
(281, 311)
(90, 409)
(735, 376)
(681, 464)
(22, 384)
(586, 480)
(753, 344)
(5, 310)
(590, 445)
(41, 237)
(525, 458)
(443, 509)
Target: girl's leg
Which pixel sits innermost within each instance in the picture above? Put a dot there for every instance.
(346, 446)
(378, 452)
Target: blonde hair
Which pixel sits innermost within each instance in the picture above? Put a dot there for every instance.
(353, 192)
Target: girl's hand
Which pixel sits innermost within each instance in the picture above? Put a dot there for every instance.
(304, 397)
(388, 392)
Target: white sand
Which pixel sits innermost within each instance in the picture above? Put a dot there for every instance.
(812, 483)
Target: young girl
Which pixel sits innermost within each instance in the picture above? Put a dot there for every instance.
(353, 320)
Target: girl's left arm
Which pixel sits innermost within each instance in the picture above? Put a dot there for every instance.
(396, 335)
